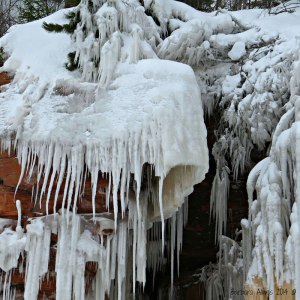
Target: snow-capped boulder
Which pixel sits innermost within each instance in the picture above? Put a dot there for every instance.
(237, 51)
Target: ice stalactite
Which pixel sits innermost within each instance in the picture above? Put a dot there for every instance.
(8, 293)
(220, 190)
(176, 225)
(110, 53)
(226, 275)
(37, 248)
(79, 243)
(267, 223)
(12, 243)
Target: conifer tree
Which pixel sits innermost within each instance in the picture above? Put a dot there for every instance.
(1, 57)
(71, 3)
(99, 28)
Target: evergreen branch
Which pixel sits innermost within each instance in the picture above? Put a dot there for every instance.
(51, 27)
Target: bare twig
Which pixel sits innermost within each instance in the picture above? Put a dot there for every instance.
(8, 14)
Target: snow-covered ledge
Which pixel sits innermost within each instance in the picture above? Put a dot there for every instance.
(149, 112)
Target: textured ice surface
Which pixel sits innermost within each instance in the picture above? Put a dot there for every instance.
(131, 112)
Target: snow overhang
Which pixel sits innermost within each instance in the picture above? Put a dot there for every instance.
(150, 113)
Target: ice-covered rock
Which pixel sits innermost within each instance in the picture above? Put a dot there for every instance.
(237, 51)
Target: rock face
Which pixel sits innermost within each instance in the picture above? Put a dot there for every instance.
(10, 171)
(4, 78)
(9, 178)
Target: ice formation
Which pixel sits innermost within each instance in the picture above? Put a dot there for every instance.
(122, 110)
(258, 107)
(247, 113)
(116, 114)
(273, 222)
(250, 73)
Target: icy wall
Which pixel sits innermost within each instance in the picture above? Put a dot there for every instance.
(272, 230)
(111, 117)
(247, 68)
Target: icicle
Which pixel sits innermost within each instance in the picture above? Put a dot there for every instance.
(18, 205)
(173, 236)
(122, 191)
(79, 179)
(113, 255)
(134, 220)
(76, 167)
(45, 248)
(218, 201)
(48, 165)
(179, 232)
(23, 160)
(246, 246)
(122, 238)
(160, 192)
(66, 186)
(55, 166)
(110, 53)
(61, 261)
(136, 32)
(142, 244)
(116, 170)
(60, 179)
(34, 247)
(108, 190)
(6, 290)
